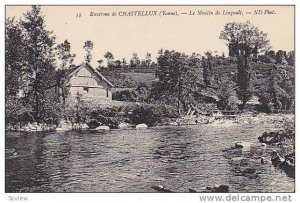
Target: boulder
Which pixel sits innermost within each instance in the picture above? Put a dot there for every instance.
(103, 128)
(221, 188)
(161, 188)
(232, 152)
(276, 159)
(272, 137)
(248, 171)
(25, 129)
(288, 167)
(244, 145)
(215, 189)
(123, 126)
(264, 160)
(64, 126)
(240, 161)
(290, 157)
(141, 126)
(192, 190)
(257, 149)
(84, 126)
(32, 127)
(287, 164)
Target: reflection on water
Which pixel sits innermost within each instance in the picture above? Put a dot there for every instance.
(133, 161)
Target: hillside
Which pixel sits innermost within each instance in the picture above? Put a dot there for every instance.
(124, 78)
(131, 78)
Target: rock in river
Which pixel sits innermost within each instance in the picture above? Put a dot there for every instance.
(103, 128)
(244, 145)
(161, 188)
(123, 126)
(287, 163)
(141, 126)
(221, 188)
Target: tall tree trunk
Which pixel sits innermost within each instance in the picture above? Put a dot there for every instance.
(36, 101)
(179, 97)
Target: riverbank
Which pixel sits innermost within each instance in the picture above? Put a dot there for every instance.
(275, 146)
(278, 120)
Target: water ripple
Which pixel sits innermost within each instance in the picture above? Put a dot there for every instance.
(133, 161)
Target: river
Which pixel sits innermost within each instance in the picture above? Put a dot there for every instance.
(178, 158)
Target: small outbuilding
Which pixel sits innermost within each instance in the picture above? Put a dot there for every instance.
(88, 83)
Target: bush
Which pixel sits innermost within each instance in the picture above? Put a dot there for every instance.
(151, 115)
(105, 116)
(17, 111)
(125, 95)
(147, 115)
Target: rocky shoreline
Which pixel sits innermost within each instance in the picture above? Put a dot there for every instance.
(276, 119)
(247, 159)
(68, 127)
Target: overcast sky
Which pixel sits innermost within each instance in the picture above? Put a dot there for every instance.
(125, 35)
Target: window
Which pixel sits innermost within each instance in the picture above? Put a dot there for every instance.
(85, 89)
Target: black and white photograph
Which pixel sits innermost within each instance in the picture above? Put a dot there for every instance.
(149, 99)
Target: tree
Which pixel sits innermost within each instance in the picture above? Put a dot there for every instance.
(291, 58)
(226, 93)
(266, 58)
(39, 59)
(118, 64)
(178, 78)
(124, 63)
(135, 61)
(148, 59)
(100, 62)
(88, 47)
(109, 57)
(64, 54)
(67, 59)
(143, 92)
(16, 110)
(273, 96)
(276, 91)
(279, 56)
(207, 68)
(244, 39)
(272, 54)
(14, 57)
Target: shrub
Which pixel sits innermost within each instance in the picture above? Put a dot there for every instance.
(151, 115)
(125, 95)
(147, 115)
(105, 116)
(17, 111)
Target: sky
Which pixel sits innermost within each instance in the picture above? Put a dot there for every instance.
(123, 35)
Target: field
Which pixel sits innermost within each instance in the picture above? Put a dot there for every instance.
(129, 79)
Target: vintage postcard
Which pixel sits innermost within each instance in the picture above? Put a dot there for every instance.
(142, 99)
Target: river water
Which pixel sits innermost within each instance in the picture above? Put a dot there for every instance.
(178, 158)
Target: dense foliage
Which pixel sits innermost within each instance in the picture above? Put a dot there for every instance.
(244, 40)
(160, 89)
